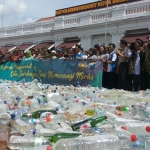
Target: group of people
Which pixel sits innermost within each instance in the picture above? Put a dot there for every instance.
(127, 68)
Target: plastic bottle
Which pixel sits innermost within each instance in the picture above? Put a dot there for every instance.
(109, 142)
(141, 129)
(16, 114)
(21, 126)
(4, 137)
(37, 114)
(3, 108)
(5, 119)
(43, 147)
(18, 142)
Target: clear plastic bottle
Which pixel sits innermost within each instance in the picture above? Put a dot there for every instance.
(21, 126)
(42, 147)
(16, 114)
(18, 142)
(5, 119)
(109, 142)
(4, 137)
(141, 129)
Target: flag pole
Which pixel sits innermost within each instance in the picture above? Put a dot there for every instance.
(106, 26)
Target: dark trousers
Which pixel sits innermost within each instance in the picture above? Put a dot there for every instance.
(111, 80)
(104, 80)
(129, 83)
(136, 82)
(123, 75)
(143, 80)
(148, 80)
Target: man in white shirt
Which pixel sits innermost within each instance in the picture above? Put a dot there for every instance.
(111, 67)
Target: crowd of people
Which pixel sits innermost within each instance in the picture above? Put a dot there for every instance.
(126, 68)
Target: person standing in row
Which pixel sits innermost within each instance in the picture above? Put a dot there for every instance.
(111, 67)
(146, 67)
(134, 56)
(104, 56)
(123, 65)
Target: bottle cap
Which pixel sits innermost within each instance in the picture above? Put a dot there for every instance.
(28, 102)
(124, 109)
(147, 128)
(77, 101)
(124, 128)
(119, 114)
(83, 103)
(34, 132)
(5, 102)
(57, 108)
(84, 126)
(48, 119)
(49, 148)
(15, 107)
(133, 137)
(13, 116)
(90, 113)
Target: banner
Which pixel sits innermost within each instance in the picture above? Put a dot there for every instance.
(56, 71)
(90, 6)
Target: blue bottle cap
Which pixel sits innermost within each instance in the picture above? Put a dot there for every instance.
(13, 116)
(18, 98)
(93, 91)
(34, 132)
(54, 91)
(5, 102)
(114, 103)
(75, 97)
(83, 103)
(57, 108)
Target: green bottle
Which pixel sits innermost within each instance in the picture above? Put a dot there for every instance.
(37, 114)
(76, 126)
(95, 121)
(53, 139)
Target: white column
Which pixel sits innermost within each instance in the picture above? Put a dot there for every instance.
(58, 41)
(86, 41)
(116, 36)
(89, 41)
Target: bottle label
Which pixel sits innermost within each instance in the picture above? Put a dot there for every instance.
(38, 142)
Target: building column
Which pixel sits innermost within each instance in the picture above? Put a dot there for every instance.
(58, 41)
(116, 36)
(86, 41)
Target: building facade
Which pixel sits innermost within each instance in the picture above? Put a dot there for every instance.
(97, 26)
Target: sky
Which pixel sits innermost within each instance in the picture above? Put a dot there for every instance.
(16, 12)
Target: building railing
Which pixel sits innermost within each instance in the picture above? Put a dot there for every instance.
(118, 12)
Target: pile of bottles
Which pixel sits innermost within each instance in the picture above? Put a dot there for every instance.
(36, 116)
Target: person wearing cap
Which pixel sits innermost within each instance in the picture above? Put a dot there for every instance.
(60, 54)
(28, 54)
(111, 67)
(135, 63)
(122, 66)
(53, 54)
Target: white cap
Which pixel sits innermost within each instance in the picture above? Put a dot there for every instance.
(53, 51)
